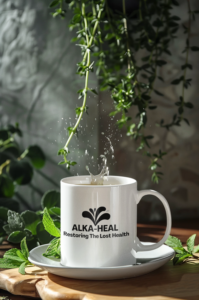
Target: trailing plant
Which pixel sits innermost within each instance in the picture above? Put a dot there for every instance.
(16, 166)
(128, 50)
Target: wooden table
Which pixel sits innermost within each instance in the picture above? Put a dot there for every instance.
(167, 283)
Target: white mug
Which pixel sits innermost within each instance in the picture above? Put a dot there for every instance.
(99, 222)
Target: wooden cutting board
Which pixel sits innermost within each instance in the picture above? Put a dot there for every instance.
(168, 282)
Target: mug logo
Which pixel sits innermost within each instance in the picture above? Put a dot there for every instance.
(93, 215)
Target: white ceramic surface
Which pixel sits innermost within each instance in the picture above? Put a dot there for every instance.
(99, 222)
(147, 261)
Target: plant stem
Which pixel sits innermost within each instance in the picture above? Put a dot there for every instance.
(85, 22)
(4, 165)
(83, 104)
(86, 55)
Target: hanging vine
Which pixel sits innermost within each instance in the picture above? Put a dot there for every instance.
(118, 37)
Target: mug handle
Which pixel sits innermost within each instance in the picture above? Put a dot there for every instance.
(139, 245)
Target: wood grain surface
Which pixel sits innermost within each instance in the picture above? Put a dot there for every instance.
(169, 282)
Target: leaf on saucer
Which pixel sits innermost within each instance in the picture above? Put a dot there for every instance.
(53, 249)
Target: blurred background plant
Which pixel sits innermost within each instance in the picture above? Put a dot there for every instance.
(16, 169)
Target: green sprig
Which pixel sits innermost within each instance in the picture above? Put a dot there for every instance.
(182, 255)
(15, 258)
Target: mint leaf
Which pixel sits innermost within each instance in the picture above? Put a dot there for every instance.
(190, 243)
(49, 224)
(12, 255)
(173, 242)
(179, 258)
(22, 268)
(19, 254)
(24, 248)
(6, 263)
(14, 258)
(53, 249)
(55, 211)
(196, 249)
(180, 250)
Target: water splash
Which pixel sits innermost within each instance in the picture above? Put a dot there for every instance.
(103, 175)
(99, 179)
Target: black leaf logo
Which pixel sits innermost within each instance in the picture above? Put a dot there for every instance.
(93, 215)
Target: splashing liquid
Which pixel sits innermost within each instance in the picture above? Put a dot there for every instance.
(103, 175)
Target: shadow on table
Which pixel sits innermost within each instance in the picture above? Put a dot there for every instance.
(180, 282)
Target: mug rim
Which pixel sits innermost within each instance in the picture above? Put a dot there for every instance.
(62, 181)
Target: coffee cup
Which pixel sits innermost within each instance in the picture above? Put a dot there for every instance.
(99, 222)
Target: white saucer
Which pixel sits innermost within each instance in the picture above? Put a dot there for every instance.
(147, 261)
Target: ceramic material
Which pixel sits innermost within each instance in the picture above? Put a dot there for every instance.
(146, 262)
(99, 222)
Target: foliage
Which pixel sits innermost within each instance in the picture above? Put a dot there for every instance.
(29, 224)
(182, 255)
(116, 41)
(15, 258)
(16, 167)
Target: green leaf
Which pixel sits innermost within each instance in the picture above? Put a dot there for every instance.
(54, 3)
(12, 254)
(20, 255)
(158, 93)
(43, 236)
(9, 264)
(21, 171)
(16, 236)
(55, 211)
(36, 156)
(22, 268)
(49, 224)
(173, 242)
(190, 243)
(53, 249)
(50, 199)
(24, 248)
(196, 249)
(180, 250)
(194, 48)
(6, 186)
(94, 91)
(31, 219)
(179, 258)
(4, 213)
(188, 105)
